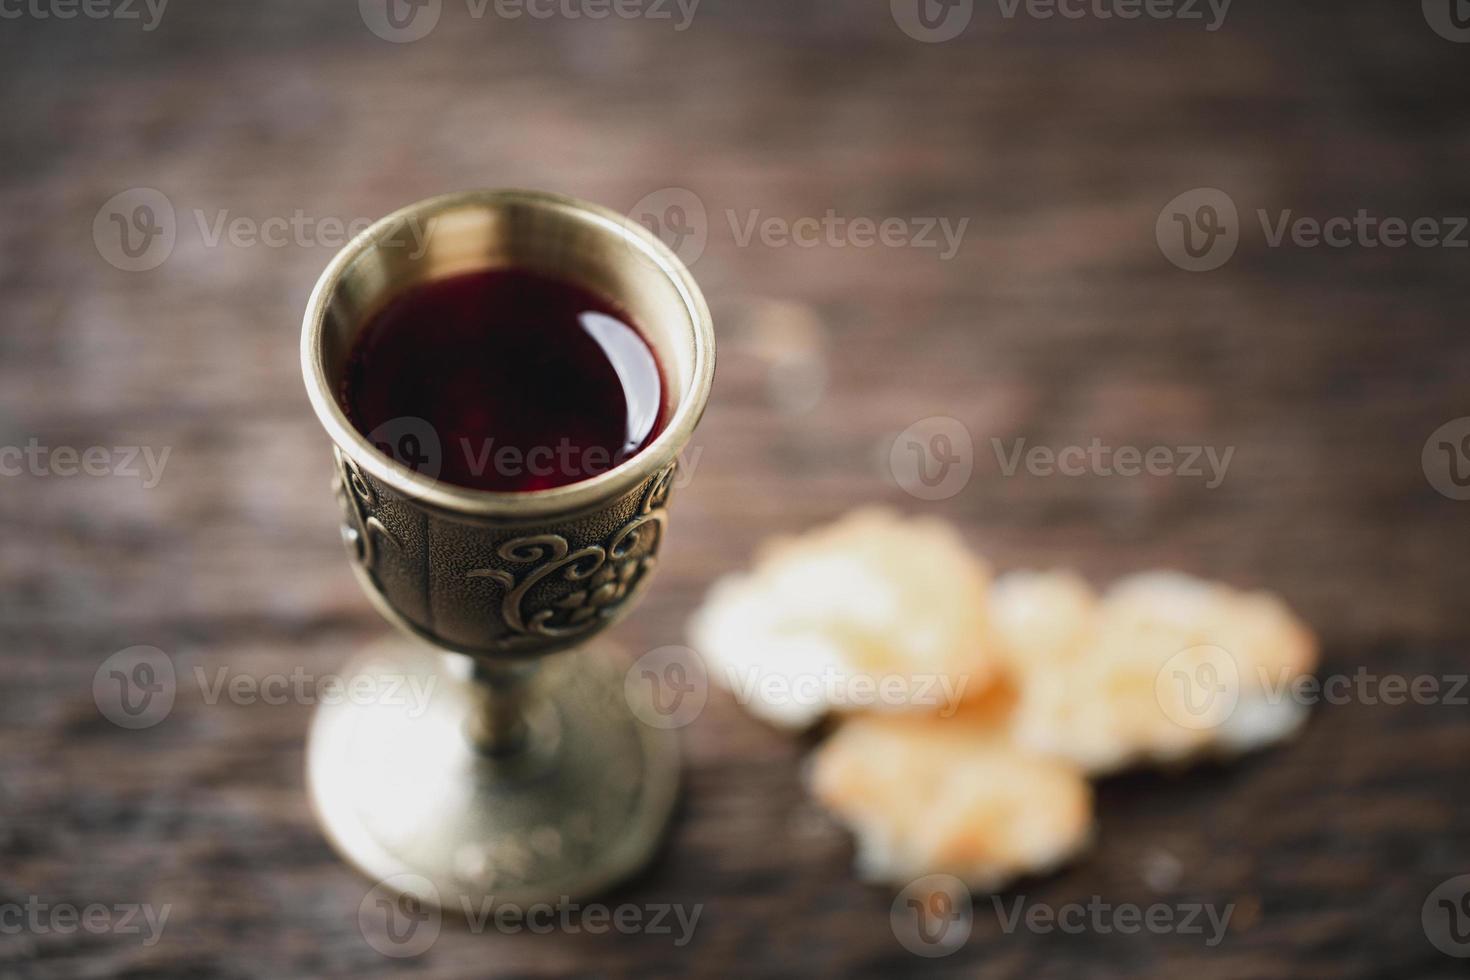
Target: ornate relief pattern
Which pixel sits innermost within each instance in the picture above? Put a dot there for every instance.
(606, 575)
(361, 530)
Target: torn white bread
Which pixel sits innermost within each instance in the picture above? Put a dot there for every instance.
(876, 612)
(930, 795)
(1041, 618)
(1164, 669)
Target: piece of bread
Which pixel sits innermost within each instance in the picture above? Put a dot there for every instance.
(1041, 618)
(1164, 669)
(876, 613)
(974, 712)
(929, 795)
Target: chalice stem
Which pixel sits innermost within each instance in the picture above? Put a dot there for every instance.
(499, 726)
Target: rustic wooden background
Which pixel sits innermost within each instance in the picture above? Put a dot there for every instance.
(1058, 321)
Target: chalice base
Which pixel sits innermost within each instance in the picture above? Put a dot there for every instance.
(405, 796)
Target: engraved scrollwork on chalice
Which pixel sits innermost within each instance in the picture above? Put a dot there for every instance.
(361, 529)
(606, 575)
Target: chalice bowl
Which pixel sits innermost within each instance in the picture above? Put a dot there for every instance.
(493, 750)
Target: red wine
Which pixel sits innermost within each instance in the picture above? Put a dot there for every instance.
(505, 380)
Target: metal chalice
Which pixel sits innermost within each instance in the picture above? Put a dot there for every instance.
(526, 774)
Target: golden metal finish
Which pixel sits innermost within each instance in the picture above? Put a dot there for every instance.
(527, 787)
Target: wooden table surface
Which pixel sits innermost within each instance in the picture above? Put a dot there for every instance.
(1057, 321)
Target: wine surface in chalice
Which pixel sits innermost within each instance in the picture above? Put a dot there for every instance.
(505, 380)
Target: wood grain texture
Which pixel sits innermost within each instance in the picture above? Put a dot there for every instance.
(1058, 321)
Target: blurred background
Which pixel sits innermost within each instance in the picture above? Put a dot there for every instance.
(1091, 230)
